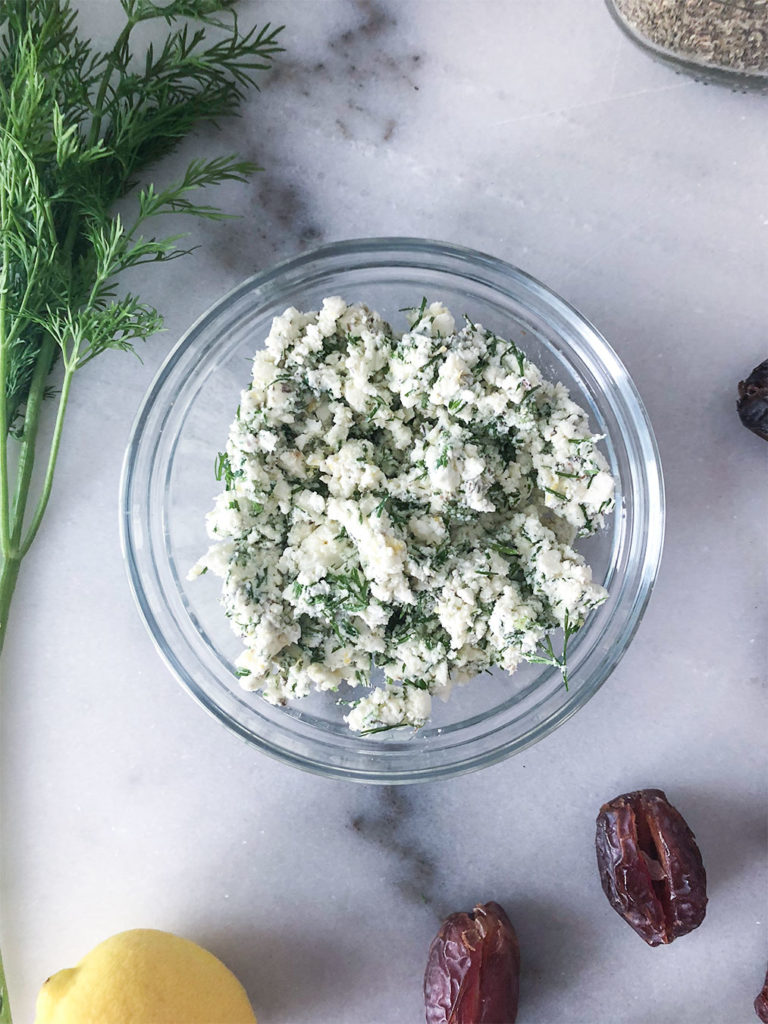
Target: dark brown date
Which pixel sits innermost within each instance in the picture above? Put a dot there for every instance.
(650, 866)
(473, 969)
(752, 404)
(761, 1003)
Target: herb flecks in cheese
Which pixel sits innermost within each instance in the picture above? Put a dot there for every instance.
(402, 503)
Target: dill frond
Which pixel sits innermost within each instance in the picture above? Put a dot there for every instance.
(79, 127)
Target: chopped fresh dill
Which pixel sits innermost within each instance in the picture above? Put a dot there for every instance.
(386, 728)
(418, 310)
(505, 550)
(548, 656)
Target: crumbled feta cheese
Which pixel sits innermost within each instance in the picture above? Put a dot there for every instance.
(401, 503)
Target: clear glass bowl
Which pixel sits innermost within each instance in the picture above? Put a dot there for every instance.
(168, 485)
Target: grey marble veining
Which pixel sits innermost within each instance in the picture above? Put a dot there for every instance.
(535, 131)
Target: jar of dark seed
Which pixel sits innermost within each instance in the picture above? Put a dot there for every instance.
(716, 40)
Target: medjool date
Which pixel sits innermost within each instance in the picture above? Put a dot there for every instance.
(650, 866)
(761, 1003)
(473, 969)
(752, 403)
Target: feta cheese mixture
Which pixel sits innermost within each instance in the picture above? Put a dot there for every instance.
(404, 503)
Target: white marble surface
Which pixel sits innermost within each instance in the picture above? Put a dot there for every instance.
(533, 130)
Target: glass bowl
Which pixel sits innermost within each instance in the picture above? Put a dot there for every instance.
(169, 484)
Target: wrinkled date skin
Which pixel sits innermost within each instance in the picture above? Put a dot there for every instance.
(761, 1003)
(650, 866)
(473, 970)
(752, 404)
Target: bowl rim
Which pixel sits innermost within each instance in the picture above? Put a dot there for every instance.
(463, 257)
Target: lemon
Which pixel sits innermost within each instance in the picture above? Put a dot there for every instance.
(145, 976)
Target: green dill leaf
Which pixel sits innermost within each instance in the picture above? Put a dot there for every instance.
(547, 656)
(386, 728)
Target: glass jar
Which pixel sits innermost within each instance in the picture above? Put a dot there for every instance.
(717, 40)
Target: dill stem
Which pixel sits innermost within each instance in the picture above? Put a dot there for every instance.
(16, 549)
(29, 437)
(98, 109)
(5, 1006)
(71, 236)
(53, 453)
(5, 533)
(9, 574)
(12, 553)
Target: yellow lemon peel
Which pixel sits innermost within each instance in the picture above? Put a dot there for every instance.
(145, 976)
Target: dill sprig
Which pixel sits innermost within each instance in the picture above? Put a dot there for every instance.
(78, 126)
(548, 656)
